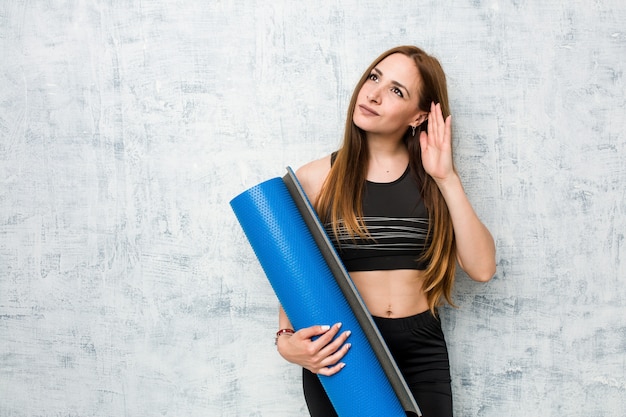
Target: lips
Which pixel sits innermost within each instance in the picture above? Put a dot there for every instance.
(367, 111)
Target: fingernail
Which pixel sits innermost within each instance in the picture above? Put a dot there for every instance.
(325, 327)
(348, 333)
(339, 325)
(348, 345)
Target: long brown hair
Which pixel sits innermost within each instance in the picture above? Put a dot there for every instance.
(339, 202)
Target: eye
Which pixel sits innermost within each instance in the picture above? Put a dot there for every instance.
(397, 92)
(373, 77)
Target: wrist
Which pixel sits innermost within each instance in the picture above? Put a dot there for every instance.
(283, 332)
(449, 183)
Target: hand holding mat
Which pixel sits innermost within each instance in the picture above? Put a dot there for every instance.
(314, 288)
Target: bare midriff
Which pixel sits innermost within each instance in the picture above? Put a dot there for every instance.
(391, 294)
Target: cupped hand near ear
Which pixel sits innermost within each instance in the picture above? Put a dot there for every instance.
(436, 145)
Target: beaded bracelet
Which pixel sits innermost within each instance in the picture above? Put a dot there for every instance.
(282, 332)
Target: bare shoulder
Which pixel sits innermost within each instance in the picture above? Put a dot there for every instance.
(312, 176)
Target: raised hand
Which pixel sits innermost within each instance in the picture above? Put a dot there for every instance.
(436, 145)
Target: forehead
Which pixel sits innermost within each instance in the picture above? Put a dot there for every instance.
(400, 68)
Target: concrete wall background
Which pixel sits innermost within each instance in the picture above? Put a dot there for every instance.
(126, 285)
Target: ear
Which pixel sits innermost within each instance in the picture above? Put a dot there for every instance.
(419, 119)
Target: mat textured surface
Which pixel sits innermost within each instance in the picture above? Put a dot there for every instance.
(310, 295)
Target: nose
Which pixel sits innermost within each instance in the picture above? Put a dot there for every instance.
(373, 96)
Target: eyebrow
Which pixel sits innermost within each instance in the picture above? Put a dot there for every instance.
(397, 84)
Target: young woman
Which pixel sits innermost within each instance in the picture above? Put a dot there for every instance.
(395, 209)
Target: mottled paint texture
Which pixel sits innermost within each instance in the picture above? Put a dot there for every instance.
(127, 287)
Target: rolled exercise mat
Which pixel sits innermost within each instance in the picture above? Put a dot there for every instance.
(300, 275)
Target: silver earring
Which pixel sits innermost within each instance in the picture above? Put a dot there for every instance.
(414, 128)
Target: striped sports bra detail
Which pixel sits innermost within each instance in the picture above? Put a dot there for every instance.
(397, 222)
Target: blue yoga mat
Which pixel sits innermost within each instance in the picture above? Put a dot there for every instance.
(314, 288)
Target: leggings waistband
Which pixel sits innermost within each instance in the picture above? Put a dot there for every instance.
(405, 323)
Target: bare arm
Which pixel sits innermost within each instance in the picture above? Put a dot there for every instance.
(475, 246)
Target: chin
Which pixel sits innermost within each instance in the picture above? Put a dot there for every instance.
(361, 124)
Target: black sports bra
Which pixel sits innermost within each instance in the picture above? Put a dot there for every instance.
(397, 221)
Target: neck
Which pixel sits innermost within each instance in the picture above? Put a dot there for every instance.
(384, 147)
(387, 159)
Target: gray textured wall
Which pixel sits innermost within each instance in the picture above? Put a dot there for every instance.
(126, 285)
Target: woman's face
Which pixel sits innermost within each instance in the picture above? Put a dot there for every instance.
(387, 102)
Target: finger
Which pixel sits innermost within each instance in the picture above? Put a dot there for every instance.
(332, 363)
(309, 332)
(443, 136)
(424, 140)
(331, 348)
(448, 128)
(441, 124)
(337, 355)
(332, 370)
(437, 113)
(327, 337)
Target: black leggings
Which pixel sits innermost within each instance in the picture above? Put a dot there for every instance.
(419, 349)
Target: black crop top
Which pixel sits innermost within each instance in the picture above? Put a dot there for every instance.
(397, 221)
